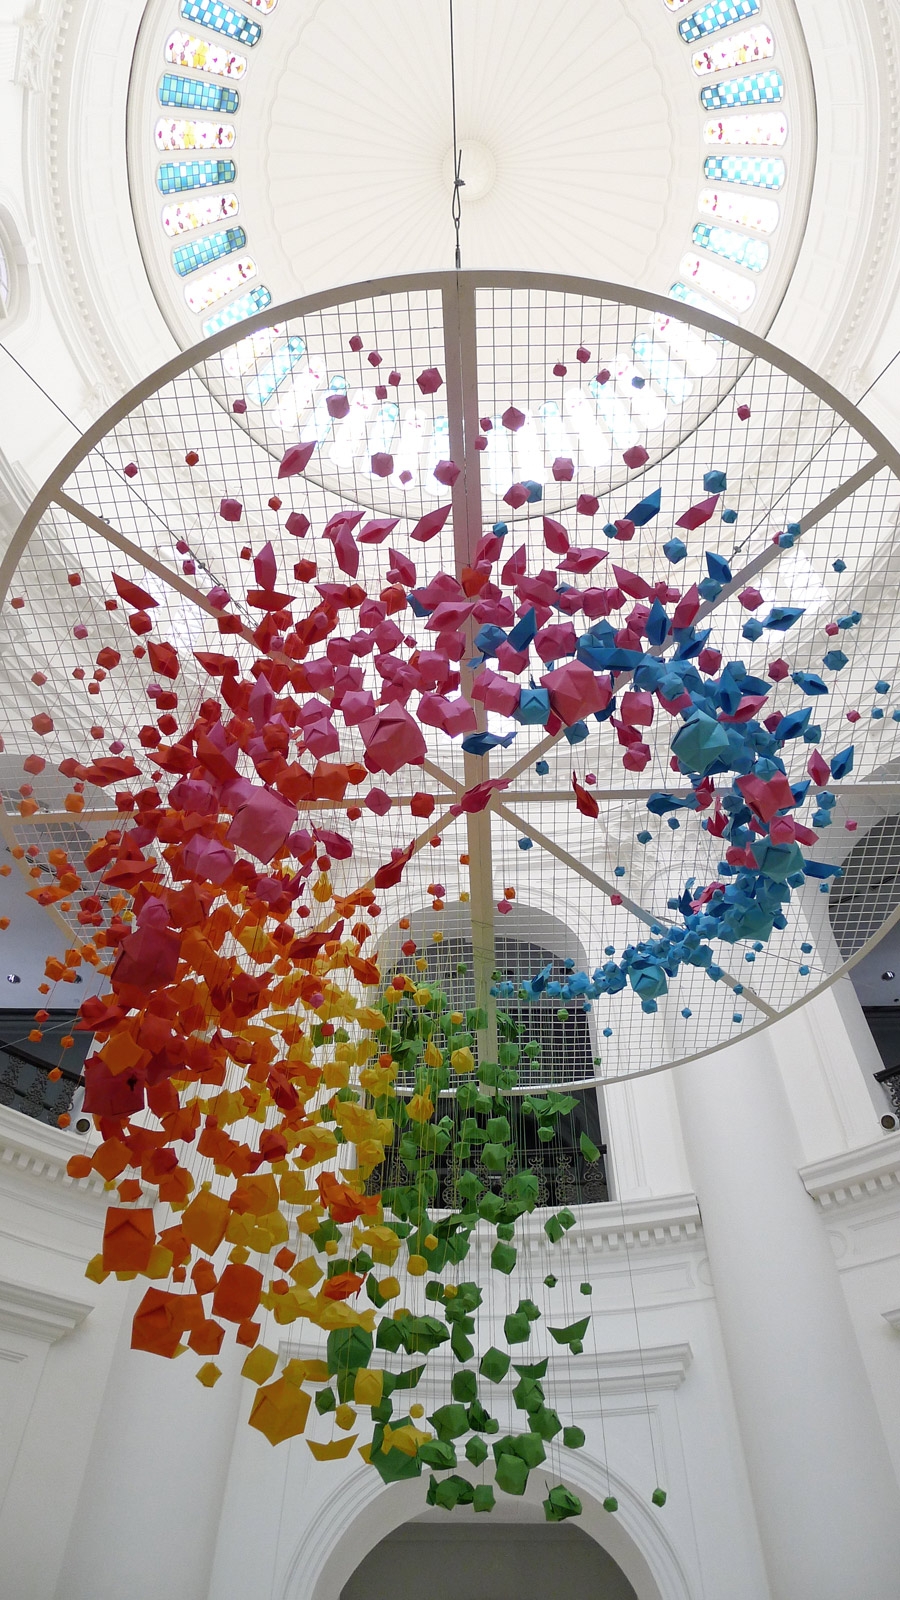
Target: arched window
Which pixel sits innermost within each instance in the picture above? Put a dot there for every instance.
(766, 172)
(189, 95)
(191, 135)
(204, 55)
(750, 253)
(198, 213)
(216, 285)
(738, 50)
(222, 19)
(237, 310)
(738, 293)
(203, 252)
(720, 14)
(769, 127)
(690, 297)
(762, 88)
(175, 177)
(747, 210)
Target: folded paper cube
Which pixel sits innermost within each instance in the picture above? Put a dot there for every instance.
(128, 1239)
(279, 1410)
(574, 691)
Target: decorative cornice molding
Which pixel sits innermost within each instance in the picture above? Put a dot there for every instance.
(855, 1176)
(35, 1314)
(38, 1151)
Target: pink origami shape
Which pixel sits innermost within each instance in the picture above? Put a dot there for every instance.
(356, 343)
(514, 568)
(487, 549)
(401, 569)
(563, 469)
(709, 661)
(695, 516)
(208, 859)
(587, 505)
(230, 510)
(443, 586)
(637, 708)
(624, 529)
(575, 692)
(516, 495)
(378, 802)
(382, 464)
(818, 769)
(478, 798)
(853, 716)
(750, 598)
(218, 597)
(581, 561)
(261, 824)
(296, 459)
(393, 739)
(337, 406)
(510, 660)
(559, 369)
(636, 757)
(744, 413)
(450, 614)
(557, 639)
(555, 536)
(782, 830)
(513, 419)
(687, 608)
(265, 567)
(429, 381)
(431, 524)
(322, 739)
(297, 524)
(446, 473)
(631, 583)
(496, 693)
(582, 354)
(130, 470)
(635, 456)
(765, 798)
(387, 635)
(346, 550)
(374, 358)
(778, 669)
(377, 529)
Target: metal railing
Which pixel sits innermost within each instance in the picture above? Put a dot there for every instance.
(890, 1082)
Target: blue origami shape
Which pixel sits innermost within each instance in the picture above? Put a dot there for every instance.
(612, 660)
(577, 732)
(660, 804)
(644, 837)
(533, 707)
(478, 744)
(781, 618)
(645, 510)
(835, 660)
(785, 541)
(729, 516)
(657, 623)
(715, 482)
(718, 567)
(690, 643)
(500, 530)
(675, 550)
(809, 682)
(822, 869)
(882, 686)
(648, 980)
(638, 382)
(542, 768)
(850, 621)
(752, 629)
(700, 743)
(416, 606)
(526, 844)
(822, 819)
(489, 638)
(793, 724)
(813, 734)
(842, 763)
(651, 675)
(535, 492)
(794, 529)
(709, 589)
(839, 565)
(521, 635)
(777, 861)
(610, 529)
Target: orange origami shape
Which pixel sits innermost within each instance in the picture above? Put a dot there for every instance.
(128, 1238)
(204, 1221)
(279, 1410)
(237, 1293)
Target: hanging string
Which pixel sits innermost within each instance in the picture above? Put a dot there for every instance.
(458, 180)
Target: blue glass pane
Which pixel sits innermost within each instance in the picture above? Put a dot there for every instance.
(667, 373)
(761, 172)
(751, 253)
(762, 89)
(237, 310)
(270, 376)
(173, 177)
(213, 14)
(202, 252)
(709, 19)
(190, 95)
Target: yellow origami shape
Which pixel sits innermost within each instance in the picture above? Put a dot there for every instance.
(335, 1451)
(279, 1410)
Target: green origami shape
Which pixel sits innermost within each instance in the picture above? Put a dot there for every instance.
(402, 1380)
(495, 1157)
(479, 1421)
(587, 1288)
(566, 1217)
(504, 1257)
(511, 1474)
(588, 1149)
(528, 1394)
(516, 1328)
(528, 1446)
(573, 1437)
(325, 1401)
(462, 1347)
(450, 1421)
(476, 1451)
(450, 1492)
(610, 1503)
(536, 1369)
(544, 1422)
(483, 1499)
(464, 1386)
(498, 1130)
(529, 1310)
(490, 1207)
(439, 1454)
(494, 1365)
(392, 1465)
(659, 1497)
(560, 1504)
(573, 1334)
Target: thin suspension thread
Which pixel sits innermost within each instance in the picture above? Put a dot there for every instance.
(458, 180)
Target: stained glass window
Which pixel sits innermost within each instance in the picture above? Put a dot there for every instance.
(747, 210)
(744, 252)
(204, 55)
(266, 6)
(198, 213)
(663, 370)
(189, 95)
(222, 19)
(709, 19)
(270, 376)
(738, 50)
(204, 292)
(737, 292)
(203, 252)
(191, 135)
(762, 172)
(767, 127)
(697, 350)
(173, 177)
(763, 88)
(690, 297)
(237, 310)
(675, 5)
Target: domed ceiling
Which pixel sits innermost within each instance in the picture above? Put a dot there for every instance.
(283, 148)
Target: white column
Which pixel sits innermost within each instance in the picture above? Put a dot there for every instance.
(826, 1496)
(148, 1513)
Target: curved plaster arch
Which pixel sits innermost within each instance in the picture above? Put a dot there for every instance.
(362, 1512)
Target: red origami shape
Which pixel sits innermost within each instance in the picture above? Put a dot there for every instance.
(431, 524)
(429, 381)
(381, 464)
(297, 524)
(750, 598)
(446, 473)
(818, 768)
(132, 594)
(637, 708)
(392, 740)
(563, 469)
(513, 419)
(585, 802)
(635, 456)
(695, 516)
(377, 529)
(296, 459)
(575, 691)
(230, 510)
(261, 824)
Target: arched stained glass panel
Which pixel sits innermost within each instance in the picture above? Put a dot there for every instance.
(203, 252)
(204, 55)
(198, 213)
(719, 14)
(747, 210)
(736, 292)
(763, 88)
(222, 19)
(750, 253)
(768, 128)
(676, 5)
(173, 177)
(265, 6)
(762, 172)
(738, 50)
(272, 374)
(690, 297)
(217, 284)
(190, 95)
(191, 135)
(237, 310)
